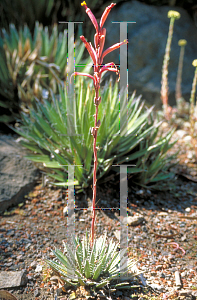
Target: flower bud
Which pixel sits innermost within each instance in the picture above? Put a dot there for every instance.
(93, 131)
(174, 14)
(182, 42)
(97, 101)
(98, 124)
(194, 63)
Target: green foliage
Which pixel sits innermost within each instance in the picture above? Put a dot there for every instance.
(47, 12)
(155, 162)
(47, 133)
(34, 66)
(7, 91)
(27, 11)
(95, 266)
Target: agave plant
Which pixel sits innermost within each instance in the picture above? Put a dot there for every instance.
(46, 133)
(48, 12)
(95, 266)
(7, 91)
(34, 66)
(153, 162)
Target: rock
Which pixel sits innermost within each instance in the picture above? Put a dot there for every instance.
(143, 279)
(33, 264)
(20, 258)
(194, 294)
(36, 293)
(181, 133)
(185, 293)
(187, 139)
(58, 291)
(188, 209)
(140, 192)
(117, 234)
(66, 211)
(133, 221)
(38, 269)
(6, 295)
(17, 174)
(11, 233)
(11, 279)
(147, 42)
(178, 279)
(156, 286)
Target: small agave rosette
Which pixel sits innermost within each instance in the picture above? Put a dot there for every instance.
(95, 266)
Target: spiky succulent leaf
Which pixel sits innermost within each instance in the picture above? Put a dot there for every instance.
(46, 132)
(33, 66)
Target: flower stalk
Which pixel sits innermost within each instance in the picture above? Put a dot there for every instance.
(173, 15)
(97, 55)
(192, 109)
(182, 44)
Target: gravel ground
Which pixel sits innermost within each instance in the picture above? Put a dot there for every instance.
(164, 241)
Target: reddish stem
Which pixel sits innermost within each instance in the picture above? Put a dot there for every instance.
(94, 132)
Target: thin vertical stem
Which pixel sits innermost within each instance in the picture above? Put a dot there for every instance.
(164, 81)
(192, 117)
(95, 163)
(179, 74)
(94, 177)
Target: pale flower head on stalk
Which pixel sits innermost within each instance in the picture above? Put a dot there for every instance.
(174, 14)
(97, 53)
(194, 63)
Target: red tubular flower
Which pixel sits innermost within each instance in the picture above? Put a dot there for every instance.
(90, 49)
(96, 40)
(97, 53)
(112, 48)
(101, 43)
(82, 74)
(91, 16)
(109, 67)
(105, 14)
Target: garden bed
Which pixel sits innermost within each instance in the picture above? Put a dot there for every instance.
(165, 240)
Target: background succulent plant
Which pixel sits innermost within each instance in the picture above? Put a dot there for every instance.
(27, 11)
(46, 133)
(33, 66)
(49, 11)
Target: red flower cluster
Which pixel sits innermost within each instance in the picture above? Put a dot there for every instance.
(97, 53)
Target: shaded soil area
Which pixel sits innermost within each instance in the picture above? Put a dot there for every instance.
(164, 240)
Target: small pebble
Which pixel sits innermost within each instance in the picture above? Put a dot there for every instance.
(20, 257)
(157, 286)
(38, 269)
(36, 293)
(188, 209)
(185, 293)
(33, 264)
